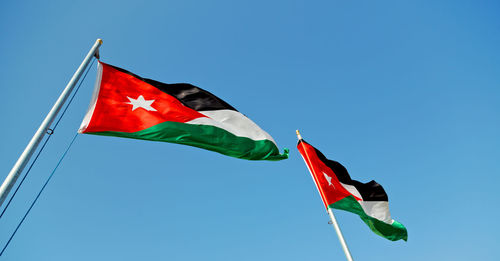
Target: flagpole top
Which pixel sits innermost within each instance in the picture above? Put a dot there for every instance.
(298, 134)
(99, 40)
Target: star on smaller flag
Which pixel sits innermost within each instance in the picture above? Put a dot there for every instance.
(329, 179)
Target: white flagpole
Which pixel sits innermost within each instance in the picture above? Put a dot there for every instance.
(339, 234)
(329, 210)
(44, 127)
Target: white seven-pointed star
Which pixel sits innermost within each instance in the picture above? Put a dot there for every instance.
(140, 102)
(329, 179)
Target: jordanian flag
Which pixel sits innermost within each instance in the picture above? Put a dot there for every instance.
(339, 191)
(126, 105)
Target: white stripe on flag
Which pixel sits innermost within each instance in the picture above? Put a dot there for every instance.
(233, 122)
(375, 209)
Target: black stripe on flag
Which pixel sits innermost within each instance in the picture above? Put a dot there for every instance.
(370, 191)
(190, 95)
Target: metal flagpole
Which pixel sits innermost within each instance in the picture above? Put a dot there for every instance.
(329, 210)
(44, 127)
(339, 234)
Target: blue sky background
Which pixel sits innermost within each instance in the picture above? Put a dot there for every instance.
(403, 92)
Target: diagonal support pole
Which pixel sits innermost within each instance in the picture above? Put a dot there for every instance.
(340, 235)
(330, 212)
(42, 130)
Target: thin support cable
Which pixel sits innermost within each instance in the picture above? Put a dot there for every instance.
(39, 193)
(49, 132)
(25, 175)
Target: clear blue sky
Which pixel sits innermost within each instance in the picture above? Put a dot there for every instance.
(406, 93)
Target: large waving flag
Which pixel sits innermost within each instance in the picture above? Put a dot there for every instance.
(126, 105)
(339, 191)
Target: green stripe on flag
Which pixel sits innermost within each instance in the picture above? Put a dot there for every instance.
(206, 137)
(394, 231)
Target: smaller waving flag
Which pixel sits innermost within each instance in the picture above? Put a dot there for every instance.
(339, 191)
(127, 105)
